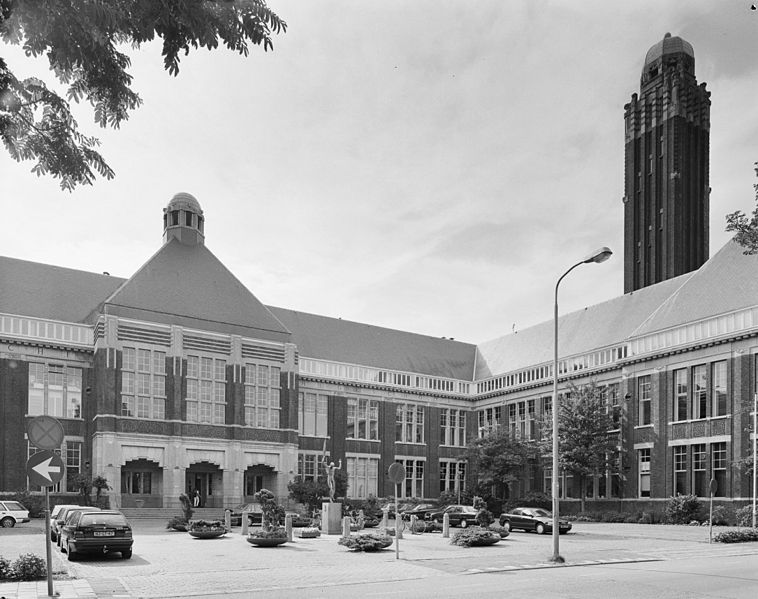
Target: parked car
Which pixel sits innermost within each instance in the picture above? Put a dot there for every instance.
(422, 511)
(96, 531)
(389, 507)
(54, 514)
(460, 515)
(255, 516)
(62, 516)
(532, 518)
(12, 512)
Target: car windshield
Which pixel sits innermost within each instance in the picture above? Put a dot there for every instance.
(541, 512)
(103, 519)
(14, 506)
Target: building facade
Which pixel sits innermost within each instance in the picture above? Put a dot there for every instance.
(666, 191)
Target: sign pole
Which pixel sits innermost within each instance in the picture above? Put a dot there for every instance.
(48, 550)
(397, 528)
(755, 453)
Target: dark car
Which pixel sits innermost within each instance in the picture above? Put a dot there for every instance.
(460, 515)
(254, 517)
(422, 511)
(532, 518)
(98, 532)
(58, 519)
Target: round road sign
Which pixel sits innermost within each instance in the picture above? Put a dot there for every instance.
(45, 469)
(396, 473)
(45, 432)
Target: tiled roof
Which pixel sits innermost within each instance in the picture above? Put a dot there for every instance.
(45, 291)
(187, 285)
(340, 340)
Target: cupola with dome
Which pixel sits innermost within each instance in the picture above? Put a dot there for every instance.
(183, 220)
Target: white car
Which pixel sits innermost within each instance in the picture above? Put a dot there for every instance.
(12, 512)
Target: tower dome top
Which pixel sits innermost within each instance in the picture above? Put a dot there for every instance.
(183, 220)
(668, 45)
(184, 201)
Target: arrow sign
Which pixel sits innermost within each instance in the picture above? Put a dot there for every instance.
(45, 469)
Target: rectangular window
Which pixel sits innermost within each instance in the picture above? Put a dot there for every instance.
(413, 485)
(489, 420)
(206, 390)
(452, 476)
(307, 466)
(644, 470)
(718, 388)
(681, 395)
(645, 400)
(312, 414)
(262, 395)
(699, 393)
(362, 418)
(362, 477)
(680, 470)
(409, 423)
(699, 467)
(143, 383)
(718, 453)
(54, 390)
(452, 427)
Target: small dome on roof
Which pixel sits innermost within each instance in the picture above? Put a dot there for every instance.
(184, 201)
(668, 45)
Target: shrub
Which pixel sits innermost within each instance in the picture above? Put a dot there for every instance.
(366, 542)
(613, 517)
(206, 525)
(744, 516)
(534, 499)
(721, 516)
(737, 536)
(186, 507)
(29, 567)
(5, 568)
(484, 517)
(496, 528)
(472, 537)
(682, 509)
(177, 523)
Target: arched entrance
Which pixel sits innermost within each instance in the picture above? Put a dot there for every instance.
(141, 484)
(205, 479)
(256, 478)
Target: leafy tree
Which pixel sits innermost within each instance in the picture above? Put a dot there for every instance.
(500, 457)
(586, 447)
(311, 493)
(82, 40)
(746, 231)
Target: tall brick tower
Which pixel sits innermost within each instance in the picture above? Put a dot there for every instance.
(666, 192)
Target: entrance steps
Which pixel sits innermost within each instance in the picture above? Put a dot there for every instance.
(165, 513)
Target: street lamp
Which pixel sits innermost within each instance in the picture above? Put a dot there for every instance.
(600, 255)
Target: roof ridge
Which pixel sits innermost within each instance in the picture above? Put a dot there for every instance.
(670, 298)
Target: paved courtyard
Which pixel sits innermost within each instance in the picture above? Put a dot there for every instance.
(172, 564)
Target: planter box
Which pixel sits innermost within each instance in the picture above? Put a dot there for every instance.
(207, 534)
(263, 542)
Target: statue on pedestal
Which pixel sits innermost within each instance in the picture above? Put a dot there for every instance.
(330, 468)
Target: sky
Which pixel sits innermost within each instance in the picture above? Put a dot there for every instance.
(430, 166)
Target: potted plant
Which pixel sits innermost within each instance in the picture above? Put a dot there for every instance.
(272, 532)
(366, 542)
(206, 529)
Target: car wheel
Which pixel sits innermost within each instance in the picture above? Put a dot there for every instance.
(464, 523)
(540, 529)
(71, 554)
(126, 553)
(506, 526)
(8, 522)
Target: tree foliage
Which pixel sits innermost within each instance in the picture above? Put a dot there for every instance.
(500, 457)
(746, 230)
(83, 42)
(311, 493)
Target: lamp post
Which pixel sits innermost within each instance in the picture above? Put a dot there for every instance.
(600, 255)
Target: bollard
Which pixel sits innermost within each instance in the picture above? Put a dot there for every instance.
(385, 519)
(345, 527)
(399, 525)
(288, 526)
(446, 526)
(228, 519)
(244, 522)
(413, 525)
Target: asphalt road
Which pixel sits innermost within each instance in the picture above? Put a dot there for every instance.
(602, 560)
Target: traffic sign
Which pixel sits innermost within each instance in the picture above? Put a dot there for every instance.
(396, 473)
(45, 469)
(45, 432)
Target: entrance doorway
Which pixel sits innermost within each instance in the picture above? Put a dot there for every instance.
(257, 478)
(204, 481)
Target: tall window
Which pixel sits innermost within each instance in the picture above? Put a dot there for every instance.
(143, 383)
(262, 390)
(413, 485)
(718, 388)
(699, 393)
(307, 466)
(512, 422)
(452, 427)
(610, 396)
(312, 414)
(55, 390)
(645, 395)
(681, 398)
(489, 420)
(644, 469)
(362, 477)
(531, 420)
(452, 476)
(206, 390)
(680, 470)
(699, 467)
(362, 418)
(718, 455)
(409, 423)
(136, 482)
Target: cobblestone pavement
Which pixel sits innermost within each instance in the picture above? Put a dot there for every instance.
(171, 564)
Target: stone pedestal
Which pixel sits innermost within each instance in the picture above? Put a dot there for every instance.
(331, 518)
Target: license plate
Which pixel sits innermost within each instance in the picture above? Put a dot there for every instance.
(104, 533)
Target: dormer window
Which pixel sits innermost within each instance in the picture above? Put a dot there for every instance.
(174, 218)
(188, 219)
(200, 223)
